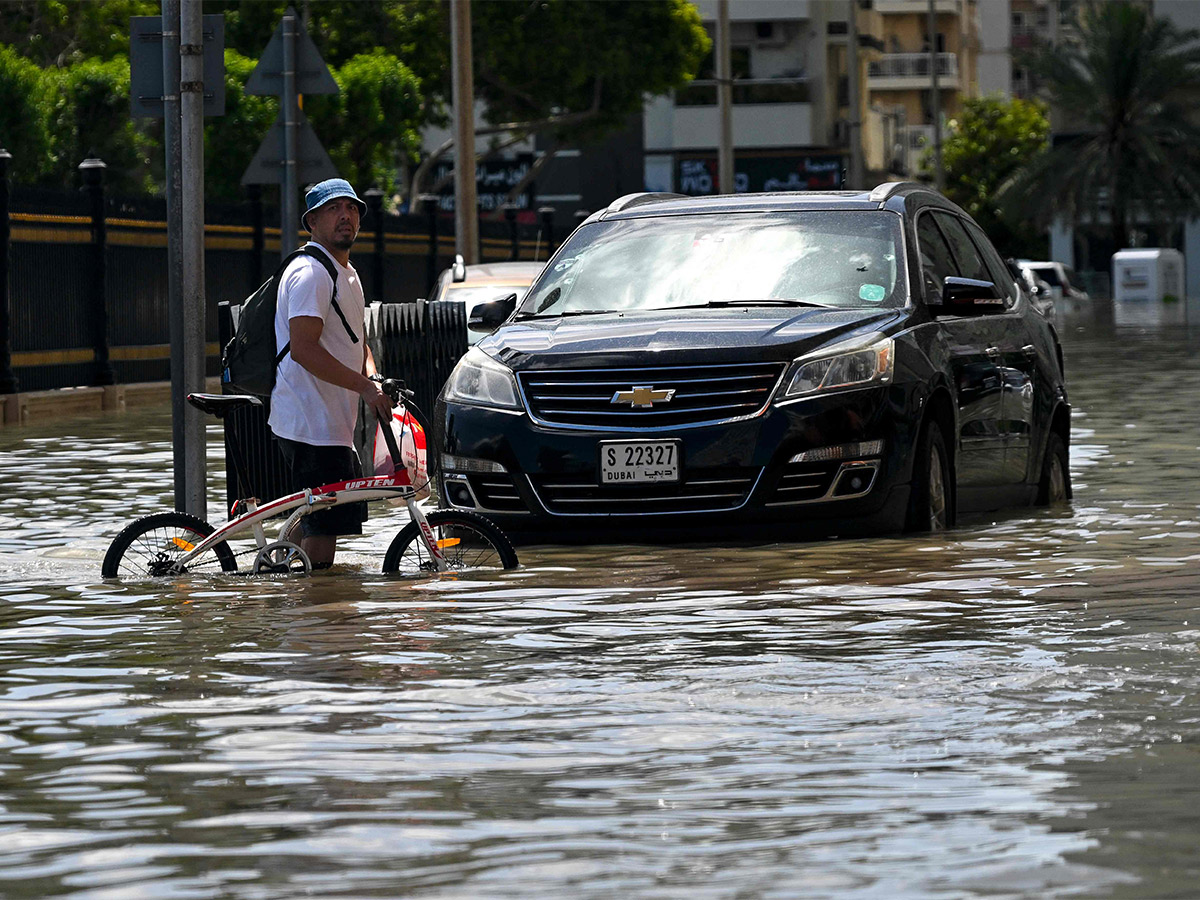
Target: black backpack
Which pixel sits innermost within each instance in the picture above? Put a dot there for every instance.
(249, 360)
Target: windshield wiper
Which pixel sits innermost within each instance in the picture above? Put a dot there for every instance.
(564, 313)
(726, 304)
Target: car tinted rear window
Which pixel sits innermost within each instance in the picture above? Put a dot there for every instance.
(845, 259)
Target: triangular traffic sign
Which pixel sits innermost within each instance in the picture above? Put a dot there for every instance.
(313, 165)
(312, 75)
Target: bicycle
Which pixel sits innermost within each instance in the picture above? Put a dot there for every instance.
(170, 544)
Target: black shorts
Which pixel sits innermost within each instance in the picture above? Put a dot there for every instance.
(312, 466)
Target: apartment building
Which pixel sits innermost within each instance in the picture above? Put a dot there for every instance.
(901, 81)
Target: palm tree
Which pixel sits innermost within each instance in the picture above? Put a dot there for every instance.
(1124, 84)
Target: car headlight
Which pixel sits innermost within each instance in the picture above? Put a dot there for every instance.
(838, 371)
(481, 380)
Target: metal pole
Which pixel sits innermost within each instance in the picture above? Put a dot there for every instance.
(546, 214)
(466, 216)
(92, 171)
(289, 207)
(510, 216)
(857, 178)
(430, 202)
(8, 381)
(935, 100)
(374, 198)
(725, 174)
(191, 132)
(174, 175)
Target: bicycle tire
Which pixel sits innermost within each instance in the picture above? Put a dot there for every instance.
(148, 547)
(473, 543)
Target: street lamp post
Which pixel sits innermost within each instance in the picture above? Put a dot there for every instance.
(92, 170)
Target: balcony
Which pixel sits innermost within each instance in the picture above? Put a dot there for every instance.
(746, 92)
(911, 71)
(915, 7)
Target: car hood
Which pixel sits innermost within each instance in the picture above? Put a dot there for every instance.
(737, 334)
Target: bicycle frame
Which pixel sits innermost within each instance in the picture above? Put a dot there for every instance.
(378, 487)
(381, 487)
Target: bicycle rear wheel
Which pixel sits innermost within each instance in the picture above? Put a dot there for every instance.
(467, 540)
(152, 546)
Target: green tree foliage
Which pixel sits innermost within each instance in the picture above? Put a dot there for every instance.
(1125, 84)
(88, 109)
(534, 60)
(23, 130)
(993, 139)
(62, 32)
(371, 126)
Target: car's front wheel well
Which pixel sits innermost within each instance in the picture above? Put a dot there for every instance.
(940, 409)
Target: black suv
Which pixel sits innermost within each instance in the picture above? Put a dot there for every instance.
(844, 361)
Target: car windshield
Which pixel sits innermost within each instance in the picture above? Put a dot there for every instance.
(844, 259)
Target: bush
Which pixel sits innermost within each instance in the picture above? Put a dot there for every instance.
(23, 130)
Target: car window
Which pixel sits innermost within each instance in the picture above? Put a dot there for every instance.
(970, 263)
(1000, 274)
(846, 259)
(1048, 274)
(936, 260)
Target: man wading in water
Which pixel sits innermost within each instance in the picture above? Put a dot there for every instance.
(328, 366)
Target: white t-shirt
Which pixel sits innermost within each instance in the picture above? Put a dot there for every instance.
(303, 407)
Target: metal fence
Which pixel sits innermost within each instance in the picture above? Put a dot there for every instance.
(57, 340)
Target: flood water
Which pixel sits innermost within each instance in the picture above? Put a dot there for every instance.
(1008, 710)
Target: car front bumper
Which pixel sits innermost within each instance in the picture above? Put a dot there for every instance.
(836, 464)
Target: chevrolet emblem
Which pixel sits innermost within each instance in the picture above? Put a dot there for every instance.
(643, 395)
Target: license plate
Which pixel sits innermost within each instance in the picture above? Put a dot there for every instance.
(639, 462)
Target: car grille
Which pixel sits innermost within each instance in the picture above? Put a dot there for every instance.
(584, 398)
(496, 492)
(702, 490)
(804, 482)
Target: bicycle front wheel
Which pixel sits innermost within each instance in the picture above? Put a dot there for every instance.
(468, 541)
(152, 546)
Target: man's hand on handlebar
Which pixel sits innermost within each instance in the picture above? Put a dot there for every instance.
(377, 399)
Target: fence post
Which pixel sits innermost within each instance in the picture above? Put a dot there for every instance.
(374, 198)
(510, 216)
(254, 195)
(546, 213)
(92, 170)
(430, 202)
(8, 381)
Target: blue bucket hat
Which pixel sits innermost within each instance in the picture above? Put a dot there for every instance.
(329, 189)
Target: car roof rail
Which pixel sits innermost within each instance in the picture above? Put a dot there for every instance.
(883, 191)
(629, 201)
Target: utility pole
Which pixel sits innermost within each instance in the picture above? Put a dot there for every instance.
(725, 175)
(466, 216)
(289, 207)
(853, 89)
(174, 172)
(935, 100)
(191, 115)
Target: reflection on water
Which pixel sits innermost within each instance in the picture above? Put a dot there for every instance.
(1006, 710)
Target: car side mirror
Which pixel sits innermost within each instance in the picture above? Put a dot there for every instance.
(969, 297)
(489, 316)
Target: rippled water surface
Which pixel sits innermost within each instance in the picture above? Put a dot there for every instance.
(1005, 711)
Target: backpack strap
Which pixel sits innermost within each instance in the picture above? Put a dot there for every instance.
(324, 259)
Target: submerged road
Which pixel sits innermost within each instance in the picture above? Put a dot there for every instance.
(1007, 710)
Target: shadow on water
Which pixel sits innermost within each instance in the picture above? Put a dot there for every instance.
(1005, 710)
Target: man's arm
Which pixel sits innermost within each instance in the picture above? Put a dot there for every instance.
(305, 333)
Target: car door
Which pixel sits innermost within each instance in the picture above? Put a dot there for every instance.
(1019, 366)
(977, 379)
(1007, 346)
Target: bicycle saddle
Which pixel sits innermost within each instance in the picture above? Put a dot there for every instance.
(220, 404)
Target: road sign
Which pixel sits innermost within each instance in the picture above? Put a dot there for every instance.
(312, 162)
(312, 75)
(146, 67)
